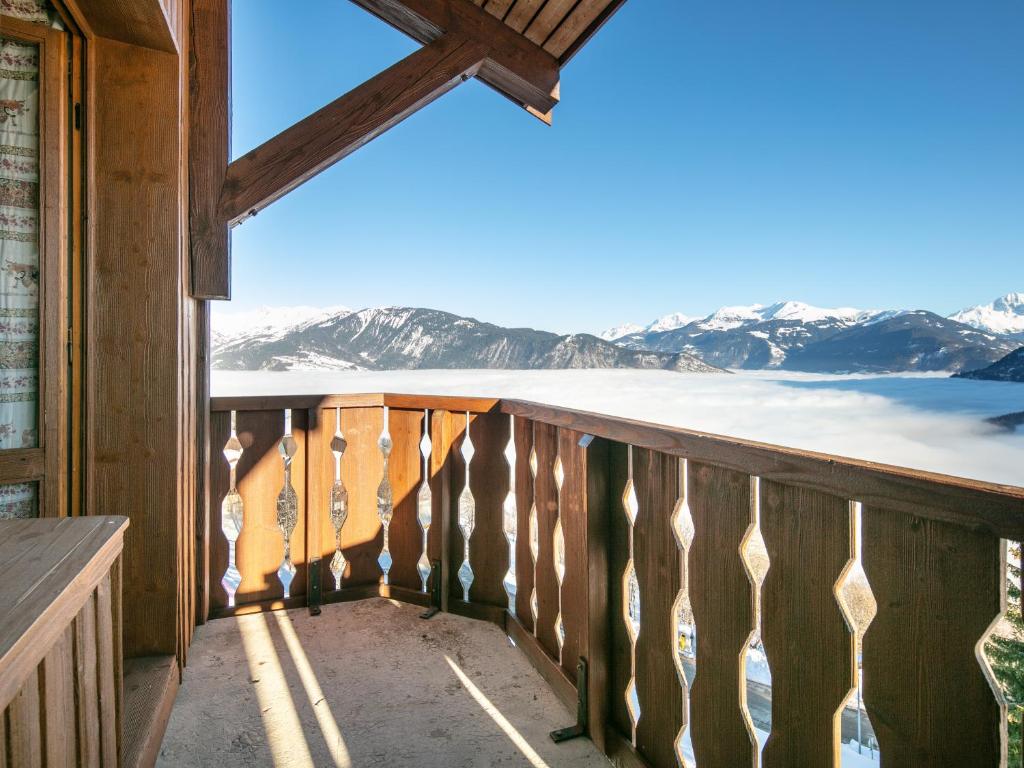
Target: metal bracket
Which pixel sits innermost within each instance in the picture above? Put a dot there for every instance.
(580, 729)
(435, 590)
(313, 599)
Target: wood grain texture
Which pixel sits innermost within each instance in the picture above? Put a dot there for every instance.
(598, 508)
(938, 588)
(405, 471)
(998, 509)
(362, 469)
(579, 26)
(294, 156)
(547, 19)
(86, 685)
(144, 23)
(656, 559)
(260, 546)
(209, 146)
(546, 498)
(108, 672)
(572, 510)
(809, 646)
(489, 483)
(457, 423)
(620, 650)
(60, 718)
(522, 434)
(439, 538)
(722, 598)
(515, 67)
(220, 483)
(24, 735)
(136, 399)
(522, 13)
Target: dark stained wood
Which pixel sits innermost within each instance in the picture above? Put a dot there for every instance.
(294, 156)
(319, 479)
(20, 465)
(144, 23)
(809, 646)
(209, 146)
(439, 536)
(620, 652)
(220, 477)
(489, 483)
(722, 598)
(572, 35)
(553, 674)
(522, 434)
(405, 471)
(598, 507)
(656, 559)
(515, 66)
(260, 547)
(572, 510)
(456, 483)
(938, 588)
(362, 469)
(970, 503)
(546, 498)
(203, 493)
(151, 684)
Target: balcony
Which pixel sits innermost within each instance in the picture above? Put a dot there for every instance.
(586, 562)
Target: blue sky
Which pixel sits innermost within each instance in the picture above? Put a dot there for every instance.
(865, 153)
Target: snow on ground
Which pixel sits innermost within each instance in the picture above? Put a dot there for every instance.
(925, 422)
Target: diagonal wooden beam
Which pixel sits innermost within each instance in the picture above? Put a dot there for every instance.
(300, 152)
(515, 66)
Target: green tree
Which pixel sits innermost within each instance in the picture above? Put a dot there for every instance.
(1006, 653)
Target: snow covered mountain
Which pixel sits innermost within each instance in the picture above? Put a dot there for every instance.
(1004, 315)
(1009, 368)
(388, 338)
(797, 336)
(666, 323)
(264, 322)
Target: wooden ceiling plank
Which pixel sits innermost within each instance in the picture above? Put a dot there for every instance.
(522, 14)
(574, 25)
(550, 16)
(305, 149)
(515, 66)
(498, 8)
(582, 39)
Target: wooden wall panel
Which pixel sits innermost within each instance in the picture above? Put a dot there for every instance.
(723, 608)
(572, 509)
(260, 547)
(546, 498)
(489, 482)
(810, 648)
(362, 469)
(938, 588)
(656, 559)
(522, 433)
(134, 379)
(405, 470)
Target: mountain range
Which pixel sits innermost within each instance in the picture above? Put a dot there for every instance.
(388, 338)
(787, 335)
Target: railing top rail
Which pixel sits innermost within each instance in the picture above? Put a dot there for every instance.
(970, 503)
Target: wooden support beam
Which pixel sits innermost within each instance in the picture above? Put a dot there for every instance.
(209, 146)
(515, 66)
(310, 146)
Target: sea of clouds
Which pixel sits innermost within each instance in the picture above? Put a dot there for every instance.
(925, 422)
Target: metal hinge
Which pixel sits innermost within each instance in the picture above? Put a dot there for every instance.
(435, 591)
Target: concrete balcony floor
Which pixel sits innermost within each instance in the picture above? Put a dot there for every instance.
(366, 683)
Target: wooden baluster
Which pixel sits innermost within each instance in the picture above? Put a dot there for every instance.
(489, 483)
(404, 472)
(546, 499)
(287, 505)
(510, 518)
(522, 435)
(723, 607)
(939, 587)
(221, 555)
(385, 499)
(810, 648)
(656, 559)
(457, 479)
(620, 657)
(572, 510)
(425, 504)
(439, 536)
(361, 471)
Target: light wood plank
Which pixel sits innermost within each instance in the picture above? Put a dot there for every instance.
(489, 482)
(578, 26)
(722, 598)
(86, 690)
(810, 649)
(294, 156)
(656, 558)
(549, 17)
(405, 469)
(143, 23)
(362, 469)
(938, 588)
(25, 742)
(58, 713)
(522, 14)
(107, 674)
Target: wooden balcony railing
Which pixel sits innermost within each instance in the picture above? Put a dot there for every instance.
(615, 542)
(60, 641)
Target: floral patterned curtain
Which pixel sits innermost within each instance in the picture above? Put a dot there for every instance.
(19, 250)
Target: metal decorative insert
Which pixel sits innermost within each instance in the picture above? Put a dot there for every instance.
(338, 502)
(558, 540)
(232, 513)
(385, 502)
(467, 516)
(510, 522)
(425, 501)
(287, 505)
(631, 598)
